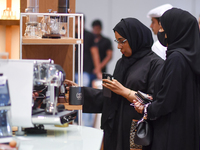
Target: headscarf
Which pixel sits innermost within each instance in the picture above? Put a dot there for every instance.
(182, 36)
(140, 40)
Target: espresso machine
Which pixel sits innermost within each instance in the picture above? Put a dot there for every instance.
(51, 77)
(28, 74)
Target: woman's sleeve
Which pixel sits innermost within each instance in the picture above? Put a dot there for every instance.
(154, 70)
(93, 100)
(168, 96)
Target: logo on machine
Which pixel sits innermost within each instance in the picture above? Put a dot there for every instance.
(79, 96)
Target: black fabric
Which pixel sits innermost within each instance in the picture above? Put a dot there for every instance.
(174, 110)
(161, 38)
(88, 64)
(104, 45)
(137, 72)
(183, 32)
(140, 76)
(175, 106)
(140, 40)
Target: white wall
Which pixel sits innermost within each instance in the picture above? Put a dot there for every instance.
(111, 12)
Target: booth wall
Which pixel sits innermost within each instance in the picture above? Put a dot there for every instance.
(111, 12)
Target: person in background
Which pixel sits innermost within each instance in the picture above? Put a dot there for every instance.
(91, 67)
(104, 45)
(135, 70)
(91, 59)
(155, 15)
(174, 112)
(105, 52)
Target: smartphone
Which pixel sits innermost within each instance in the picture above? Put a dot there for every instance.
(142, 97)
(106, 91)
(107, 76)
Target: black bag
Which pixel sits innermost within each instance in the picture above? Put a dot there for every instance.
(143, 133)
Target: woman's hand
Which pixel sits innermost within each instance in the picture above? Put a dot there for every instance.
(69, 83)
(35, 95)
(139, 107)
(114, 86)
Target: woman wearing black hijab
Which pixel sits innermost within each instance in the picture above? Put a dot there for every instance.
(135, 70)
(176, 96)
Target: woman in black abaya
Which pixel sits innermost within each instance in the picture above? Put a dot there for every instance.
(136, 70)
(176, 95)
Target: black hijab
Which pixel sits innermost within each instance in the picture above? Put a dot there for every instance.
(140, 40)
(182, 35)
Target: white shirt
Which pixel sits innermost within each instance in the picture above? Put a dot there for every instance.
(159, 49)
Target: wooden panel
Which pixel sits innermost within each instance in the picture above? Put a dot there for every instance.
(61, 54)
(72, 6)
(71, 107)
(23, 5)
(8, 40)
(48, 4)
(73, 10)
(44, 5)
(9, 22)
(51, 41)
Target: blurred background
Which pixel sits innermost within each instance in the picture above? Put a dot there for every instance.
(112, 11)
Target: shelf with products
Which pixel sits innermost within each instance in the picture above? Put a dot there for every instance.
(61, 50)
(47, 26)
(38, 25)
(38, 41)
(9, 22)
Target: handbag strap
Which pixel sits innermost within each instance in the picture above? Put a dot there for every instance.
(145, 110)
(145, 114)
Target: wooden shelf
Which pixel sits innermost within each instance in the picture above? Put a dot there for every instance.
(9, 22)
(71, 107)
(63, 41)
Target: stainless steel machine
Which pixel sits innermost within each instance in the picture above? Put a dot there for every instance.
(23, 76)
(51, 77)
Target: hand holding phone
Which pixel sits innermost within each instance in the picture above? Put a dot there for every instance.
(142, 97)
(106, 91)
(107, 76)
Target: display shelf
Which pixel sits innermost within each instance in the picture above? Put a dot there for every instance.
(31, 41)
(71, 107)
(9, 22)
(46, 48)
(67, 105)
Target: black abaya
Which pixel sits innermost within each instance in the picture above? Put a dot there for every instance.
(137, 72)
(177, 93)
(140, 76)
(176, 107)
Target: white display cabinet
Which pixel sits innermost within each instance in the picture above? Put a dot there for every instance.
(35, 39)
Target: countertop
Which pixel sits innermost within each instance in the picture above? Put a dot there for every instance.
(73, 137)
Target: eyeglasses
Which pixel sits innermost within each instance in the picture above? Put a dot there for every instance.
(121, 42)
